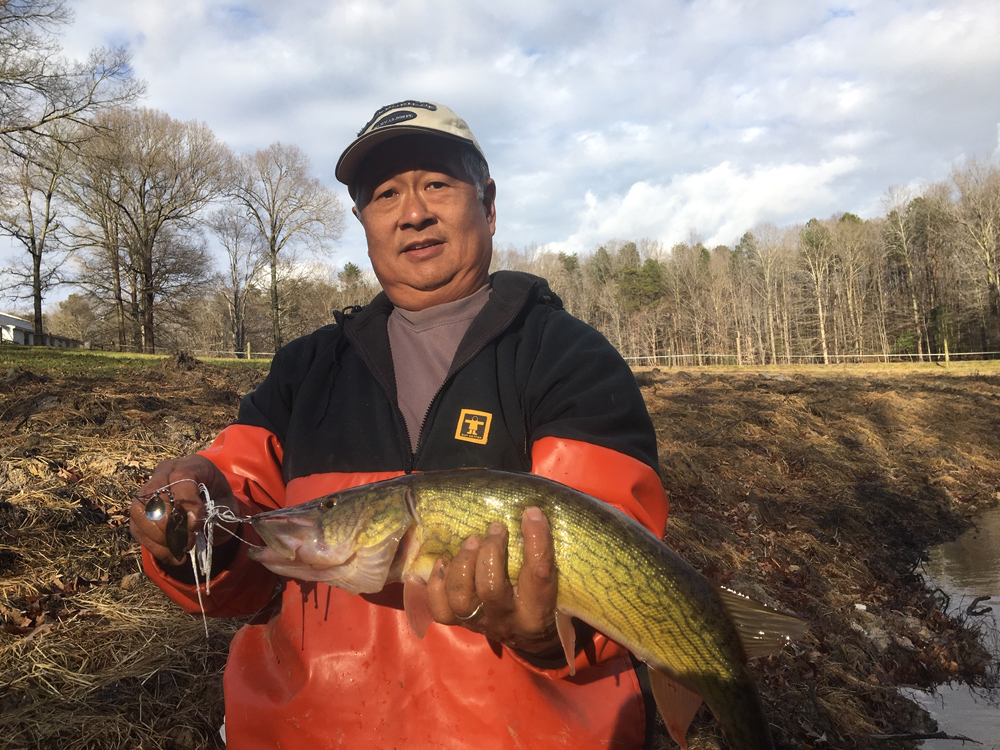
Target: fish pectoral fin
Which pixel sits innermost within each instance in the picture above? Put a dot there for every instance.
(677, 704)
(415, 604)
(367, 571)
(567, 637)
(762, 630)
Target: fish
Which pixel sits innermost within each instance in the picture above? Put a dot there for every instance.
(613, 574)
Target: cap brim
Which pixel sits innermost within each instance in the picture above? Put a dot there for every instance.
(354, 155)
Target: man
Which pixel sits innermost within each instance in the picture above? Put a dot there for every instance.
(448, 367)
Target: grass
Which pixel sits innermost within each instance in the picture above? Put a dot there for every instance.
(44, 360)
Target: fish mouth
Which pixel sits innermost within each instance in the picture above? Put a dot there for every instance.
(293, 535)
(297, 548)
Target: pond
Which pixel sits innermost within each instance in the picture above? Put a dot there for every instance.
(966, 569)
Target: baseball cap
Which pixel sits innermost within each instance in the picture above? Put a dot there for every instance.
(397, 119)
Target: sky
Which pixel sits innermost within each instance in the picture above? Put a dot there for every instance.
(661, 120)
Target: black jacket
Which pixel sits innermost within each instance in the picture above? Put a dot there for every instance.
(525, 364)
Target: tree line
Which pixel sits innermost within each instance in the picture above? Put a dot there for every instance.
(121, 200)
(919, 280)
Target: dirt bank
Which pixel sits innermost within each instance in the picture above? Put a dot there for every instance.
(820, 495)
(815, 493)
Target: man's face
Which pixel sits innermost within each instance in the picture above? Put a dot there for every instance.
(430, 238)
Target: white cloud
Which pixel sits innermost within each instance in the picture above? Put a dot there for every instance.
(720, 204)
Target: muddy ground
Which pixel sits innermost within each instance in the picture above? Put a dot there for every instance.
(815, 491)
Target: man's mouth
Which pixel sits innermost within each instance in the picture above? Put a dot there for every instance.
(417, 247)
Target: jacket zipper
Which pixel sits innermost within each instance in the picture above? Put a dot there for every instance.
(430, 406)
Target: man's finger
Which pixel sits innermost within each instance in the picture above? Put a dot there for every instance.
(153, 542)
(492, 585)
(174, 482)
(538, 582)
(437, 594)
(461, 579)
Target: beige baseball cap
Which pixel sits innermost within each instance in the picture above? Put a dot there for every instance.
(398, 119)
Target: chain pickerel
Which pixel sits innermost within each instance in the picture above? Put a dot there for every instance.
(613, 574)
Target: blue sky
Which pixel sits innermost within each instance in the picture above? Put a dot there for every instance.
(600, 120)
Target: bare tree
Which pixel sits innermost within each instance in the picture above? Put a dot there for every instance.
(92, 194)
(688, 281)
(764, 243)
(856, 249)
(247, 260)
(815, 249)
(180, 279)
(288, 207)
(76, 318)
(28, 213)
(38, 87)
(900, 237)
(947, 276)
(978, 213)
(143, 173)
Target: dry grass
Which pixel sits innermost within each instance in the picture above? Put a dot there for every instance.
(815, 489)
(92, 655)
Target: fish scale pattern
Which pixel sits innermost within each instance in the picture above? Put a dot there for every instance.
(616, 576)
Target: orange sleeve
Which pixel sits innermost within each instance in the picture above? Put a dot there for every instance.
(622, 481)
(250, 458)
(619, 480)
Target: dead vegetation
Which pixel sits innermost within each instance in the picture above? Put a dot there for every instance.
(820, 495)
(816, 494)
(91, 654)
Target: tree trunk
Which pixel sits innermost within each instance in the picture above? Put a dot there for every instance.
(822, 325)
(275, 321)
(36, 293)
(770, 329)
(916, 309)
(116, 273)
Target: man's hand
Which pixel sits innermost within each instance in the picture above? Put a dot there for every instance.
(473, 589)
(152, 534)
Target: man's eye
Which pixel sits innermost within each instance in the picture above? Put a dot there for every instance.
(386, 193)
(436, 185)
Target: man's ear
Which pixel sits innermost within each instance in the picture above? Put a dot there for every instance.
(490, 204)
(357, 214)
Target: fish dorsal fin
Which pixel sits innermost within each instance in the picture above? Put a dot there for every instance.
(762, 630)
(677, 704)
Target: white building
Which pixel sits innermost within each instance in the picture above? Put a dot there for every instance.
(15, 330)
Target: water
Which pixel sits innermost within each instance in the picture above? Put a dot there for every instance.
(965, 569)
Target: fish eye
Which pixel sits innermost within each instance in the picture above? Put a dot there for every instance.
(329, 504)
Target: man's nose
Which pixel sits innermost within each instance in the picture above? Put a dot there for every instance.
(415, 213)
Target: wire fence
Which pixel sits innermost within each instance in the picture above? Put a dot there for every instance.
(707, 359)
(710, 359)
(211, 353)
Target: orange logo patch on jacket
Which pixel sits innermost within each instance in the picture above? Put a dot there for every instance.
(473, 426)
